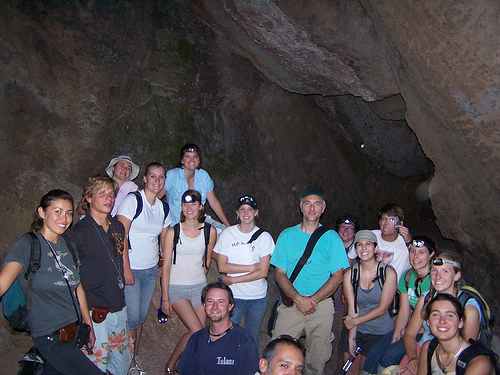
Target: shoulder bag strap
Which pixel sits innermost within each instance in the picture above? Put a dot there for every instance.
(315, 236)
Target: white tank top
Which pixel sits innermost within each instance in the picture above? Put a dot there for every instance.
(188, 268)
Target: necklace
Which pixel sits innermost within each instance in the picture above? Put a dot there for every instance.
(121, 285)
(444, 369)
(219, 334)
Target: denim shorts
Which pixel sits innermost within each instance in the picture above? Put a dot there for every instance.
(190, 292)
(138, 296)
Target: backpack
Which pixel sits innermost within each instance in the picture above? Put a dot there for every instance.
(206, 232)
(469, 353)
(14, 303)
(138, 210)
(486, 323)
(32, 363)
(381, 272)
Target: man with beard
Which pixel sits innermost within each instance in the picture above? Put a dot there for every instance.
(222, 347)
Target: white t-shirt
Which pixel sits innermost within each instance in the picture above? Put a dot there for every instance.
(234, 245)
(393, 253)
(351, 251)
(189, 263)
(144, 231)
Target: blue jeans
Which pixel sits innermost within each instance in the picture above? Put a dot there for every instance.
(138, 296)
(253, 310)
(394, 353)
(64, 358)
(371, 362)
(385, 354)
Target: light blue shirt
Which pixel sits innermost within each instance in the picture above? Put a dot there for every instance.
(328, 256)
(176, 185)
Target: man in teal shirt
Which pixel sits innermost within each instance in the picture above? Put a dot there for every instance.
(312, 311)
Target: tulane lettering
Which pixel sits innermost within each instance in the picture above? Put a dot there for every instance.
(225, 361)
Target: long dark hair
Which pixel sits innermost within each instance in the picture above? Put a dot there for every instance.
(45, 202)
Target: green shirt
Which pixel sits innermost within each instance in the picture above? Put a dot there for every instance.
(414, 293)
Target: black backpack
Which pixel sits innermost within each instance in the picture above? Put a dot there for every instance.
(138, 210)
(15, 304)
(469, 353)
(206, 231)
(381, 271)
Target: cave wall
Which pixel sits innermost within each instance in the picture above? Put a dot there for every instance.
(281, 96)
(439, 58)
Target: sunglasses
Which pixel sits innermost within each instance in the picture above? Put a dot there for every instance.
(418, 288)
(441, 261)
(246, 198)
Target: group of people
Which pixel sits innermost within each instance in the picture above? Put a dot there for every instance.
(127, 238)
(389, 265)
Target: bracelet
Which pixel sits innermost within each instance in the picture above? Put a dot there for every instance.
(165, 300)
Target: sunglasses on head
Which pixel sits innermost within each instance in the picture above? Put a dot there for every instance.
(441, 261)
(246, 198)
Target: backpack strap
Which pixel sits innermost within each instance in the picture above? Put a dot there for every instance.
(138, 197)
(476, 349)
(355, 284)
(177, 230)
(166, 209)
(430, 352)
(256, 235)
(407, 276)
(381, 271)
(34, 264)
(206, 230)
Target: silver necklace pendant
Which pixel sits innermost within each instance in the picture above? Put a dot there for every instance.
(120, 282)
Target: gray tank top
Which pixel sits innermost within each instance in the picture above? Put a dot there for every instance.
(369, 299)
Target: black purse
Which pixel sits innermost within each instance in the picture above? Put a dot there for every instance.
(82, 334)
